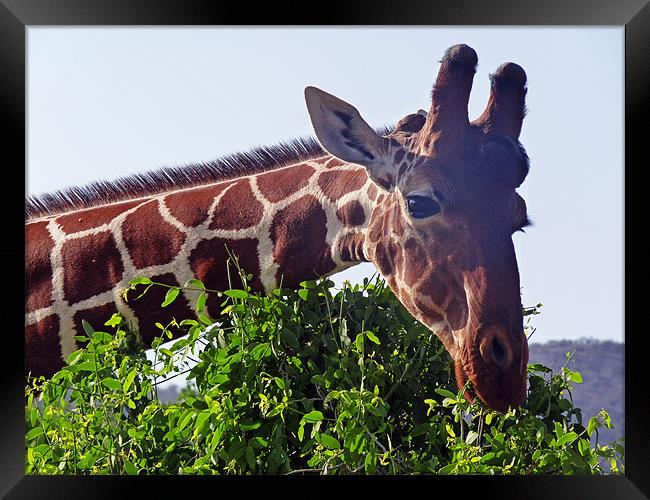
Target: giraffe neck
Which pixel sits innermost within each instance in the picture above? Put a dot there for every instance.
(285, 226)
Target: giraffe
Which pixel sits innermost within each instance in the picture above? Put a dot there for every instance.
(432, 202)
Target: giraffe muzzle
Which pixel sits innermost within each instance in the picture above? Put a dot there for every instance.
(497, 370)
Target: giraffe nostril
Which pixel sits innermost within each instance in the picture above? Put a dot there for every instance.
(495, 349)
(499, 354)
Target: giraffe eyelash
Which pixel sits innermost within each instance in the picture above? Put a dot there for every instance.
(527, 223)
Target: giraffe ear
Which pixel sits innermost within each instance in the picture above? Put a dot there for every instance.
(343, 133)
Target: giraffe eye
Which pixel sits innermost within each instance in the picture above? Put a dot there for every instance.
(422, 206)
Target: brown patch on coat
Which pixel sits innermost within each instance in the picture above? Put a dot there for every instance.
(377, 226)
(38, 269)
(350, 247)
(238, 208)
(436, 290)
(406, 301)
(333, 162)
(384, 259)
(298, 234)
(96, 316)
(372, 192)
(397, 223)
(417, 261)
(149, 239)
(375, 232)
(398, 256)
(93, 217)
(457, 314)
(92, 265)
(392, 283)
(351, 214)
(279, 185)
(340, 182)
(148, 308)
(208, 263)
(191, 207)
(42, 347)
(431, 315)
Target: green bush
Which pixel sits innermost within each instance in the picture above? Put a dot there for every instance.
(306, 381)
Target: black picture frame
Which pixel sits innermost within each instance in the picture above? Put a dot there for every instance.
(17, 15)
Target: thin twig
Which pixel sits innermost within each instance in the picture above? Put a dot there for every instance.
(302, 471)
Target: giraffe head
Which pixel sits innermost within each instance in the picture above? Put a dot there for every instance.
(443, 216)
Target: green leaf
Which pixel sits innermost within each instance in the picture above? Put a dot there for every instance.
(446, 393)
(537, 367)
(250, 426)
(206, 320)
(185, 420)
(102, 337)
(142, 280)
(575, 377)
(237, 294)
(86, 366)
(471, 437)
(87, 327)
(329, 441)
(170, 296)
(250, 457)
(114, 320)
(372, 337)
(130, 469)
(112, 383)
(583, 447)
(194, 282)
(370, 463)
(450, 430)
(568, 438)
(201, 419)
(290, 338)
(200, 302)
(593, 423)
(313, 416)
(303, 293)
(34, 433)
(490, 458)
(260, 351)
(358, 341)
(128, 380)
(607, 418)
(447, 469)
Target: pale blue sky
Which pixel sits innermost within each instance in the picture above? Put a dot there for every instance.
(107, 102)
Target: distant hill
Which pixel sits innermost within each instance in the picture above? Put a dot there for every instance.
(601, 364)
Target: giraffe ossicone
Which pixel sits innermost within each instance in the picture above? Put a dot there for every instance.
(431, 202)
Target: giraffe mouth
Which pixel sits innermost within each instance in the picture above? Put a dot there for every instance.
(499, 393)
(461, 380)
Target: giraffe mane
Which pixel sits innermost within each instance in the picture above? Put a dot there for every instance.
(168, 178)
